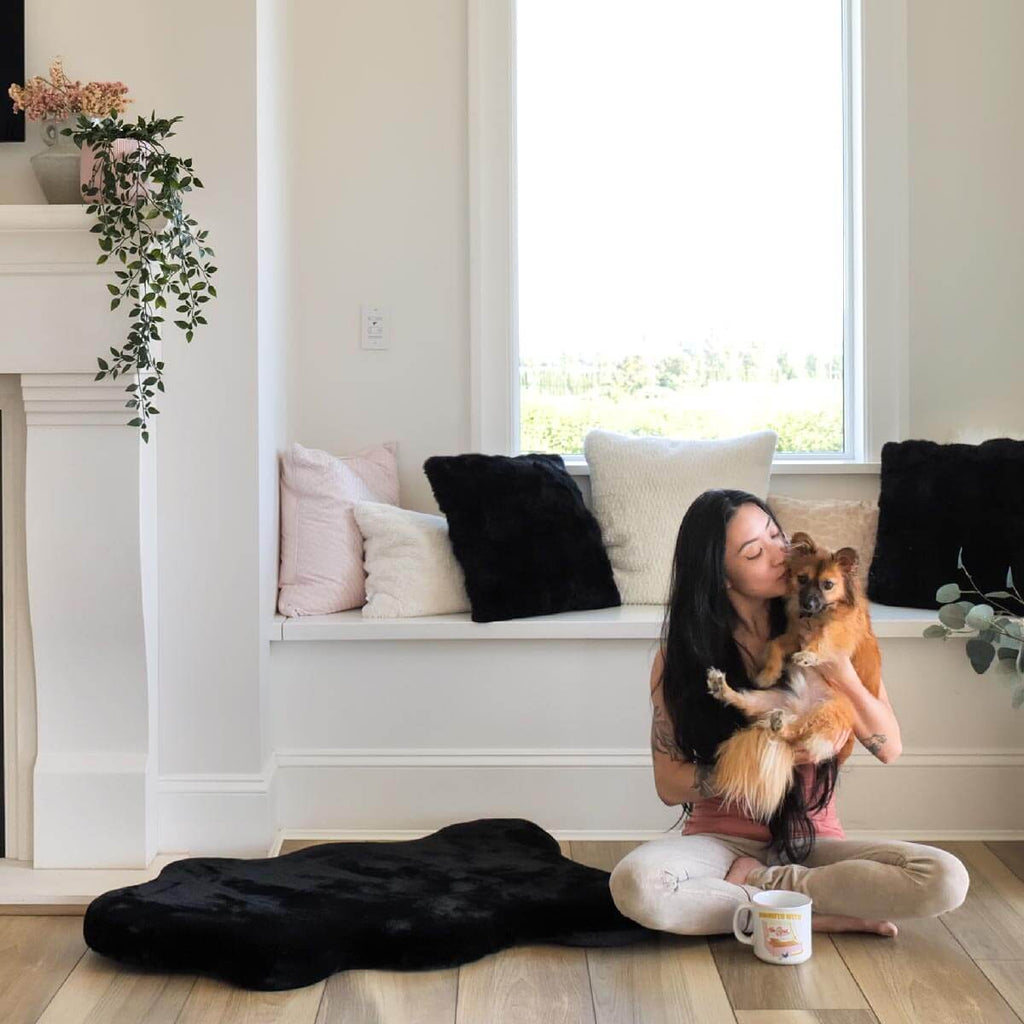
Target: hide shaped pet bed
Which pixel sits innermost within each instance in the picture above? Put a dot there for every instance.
(446, 899)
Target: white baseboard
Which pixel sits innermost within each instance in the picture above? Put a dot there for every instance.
(356, 835)
(581, 794)
(230, 815)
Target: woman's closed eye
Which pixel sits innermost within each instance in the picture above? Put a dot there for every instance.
(750, 558)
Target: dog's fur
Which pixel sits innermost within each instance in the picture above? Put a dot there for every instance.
(828, 614)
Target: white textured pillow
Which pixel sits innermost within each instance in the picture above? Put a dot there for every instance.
(410, 566)
(833, 523)
(321, 546)
(641, 488)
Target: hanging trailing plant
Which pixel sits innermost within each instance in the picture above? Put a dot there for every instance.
(135, 188)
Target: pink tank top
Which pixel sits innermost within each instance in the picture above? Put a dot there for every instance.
(709, 816)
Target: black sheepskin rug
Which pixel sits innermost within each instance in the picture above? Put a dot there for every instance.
(465, 891)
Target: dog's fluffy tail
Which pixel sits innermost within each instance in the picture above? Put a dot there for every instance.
(754, 771)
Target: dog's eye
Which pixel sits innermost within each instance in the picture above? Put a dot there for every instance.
(802, 578)
(827, 584)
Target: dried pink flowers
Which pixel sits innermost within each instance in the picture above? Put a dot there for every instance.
(58, 97)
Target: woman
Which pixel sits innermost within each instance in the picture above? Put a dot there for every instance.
(725, 604)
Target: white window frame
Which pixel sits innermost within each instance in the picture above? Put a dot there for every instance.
(876, 376)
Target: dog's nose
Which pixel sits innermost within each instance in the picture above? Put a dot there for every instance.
(811, 602)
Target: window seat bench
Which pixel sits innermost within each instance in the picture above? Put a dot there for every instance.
(468, 719)
(626, 622)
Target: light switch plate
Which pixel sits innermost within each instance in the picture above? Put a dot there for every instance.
(375, 332)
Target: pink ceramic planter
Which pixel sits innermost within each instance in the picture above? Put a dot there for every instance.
(91, 166)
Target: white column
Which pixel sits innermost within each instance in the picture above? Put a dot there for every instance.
(90, 519)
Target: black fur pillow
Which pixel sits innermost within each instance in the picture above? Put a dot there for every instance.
(935, 499)
(527, 543)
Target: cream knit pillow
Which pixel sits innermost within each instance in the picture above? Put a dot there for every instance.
(321, 546)
(641, 488)
(410, 566)
(833, 523)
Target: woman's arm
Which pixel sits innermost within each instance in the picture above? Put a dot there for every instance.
(875, 722)
(677, 780)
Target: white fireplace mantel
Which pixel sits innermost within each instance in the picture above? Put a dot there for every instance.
(90, 564)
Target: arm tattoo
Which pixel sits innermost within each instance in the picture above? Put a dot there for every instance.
(663, 738)
(702, 779)
(874, 743)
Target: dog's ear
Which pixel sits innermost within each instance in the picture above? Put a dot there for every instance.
(802, 541)
(847, 559)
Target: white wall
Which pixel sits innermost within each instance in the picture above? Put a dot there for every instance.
(966, 140)
(379, 180)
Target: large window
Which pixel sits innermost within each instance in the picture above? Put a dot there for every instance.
(682, 221)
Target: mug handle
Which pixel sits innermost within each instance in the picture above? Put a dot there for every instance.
(747, 940)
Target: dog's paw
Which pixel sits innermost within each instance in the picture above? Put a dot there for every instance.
(777, 720)
(716, 682)
(782, 719)
(805, 659)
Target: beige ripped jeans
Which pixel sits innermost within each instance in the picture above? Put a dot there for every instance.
(677, 883)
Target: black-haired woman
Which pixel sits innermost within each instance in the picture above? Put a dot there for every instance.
(725, 604)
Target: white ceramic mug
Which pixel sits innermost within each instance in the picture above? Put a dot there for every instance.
(780, 923)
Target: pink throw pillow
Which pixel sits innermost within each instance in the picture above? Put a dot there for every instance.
(321, 544)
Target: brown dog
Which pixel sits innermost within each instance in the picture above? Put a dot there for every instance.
(828, 614)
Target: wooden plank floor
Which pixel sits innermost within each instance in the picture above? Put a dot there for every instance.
(963, 967)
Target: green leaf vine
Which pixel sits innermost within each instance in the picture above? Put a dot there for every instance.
(160, 263)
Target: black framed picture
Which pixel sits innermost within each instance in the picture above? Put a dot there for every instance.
(12, 67)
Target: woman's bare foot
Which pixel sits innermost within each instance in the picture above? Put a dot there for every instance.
(841, 923)
(740, 868)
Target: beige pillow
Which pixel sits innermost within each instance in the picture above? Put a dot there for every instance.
(641, 488)
(410, 566)
(833, 523)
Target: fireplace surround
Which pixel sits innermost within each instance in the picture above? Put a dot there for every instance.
(80, 561)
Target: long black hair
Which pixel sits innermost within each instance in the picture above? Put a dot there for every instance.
(696, 634)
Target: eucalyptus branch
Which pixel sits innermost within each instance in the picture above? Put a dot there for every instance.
(1003, 607)
(127, 194)
(1009, 577)
(964, 630)
(987, 644)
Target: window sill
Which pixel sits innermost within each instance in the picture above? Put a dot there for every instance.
(626, 622)
(780, 467)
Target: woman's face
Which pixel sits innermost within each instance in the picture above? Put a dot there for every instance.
(755, 553)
